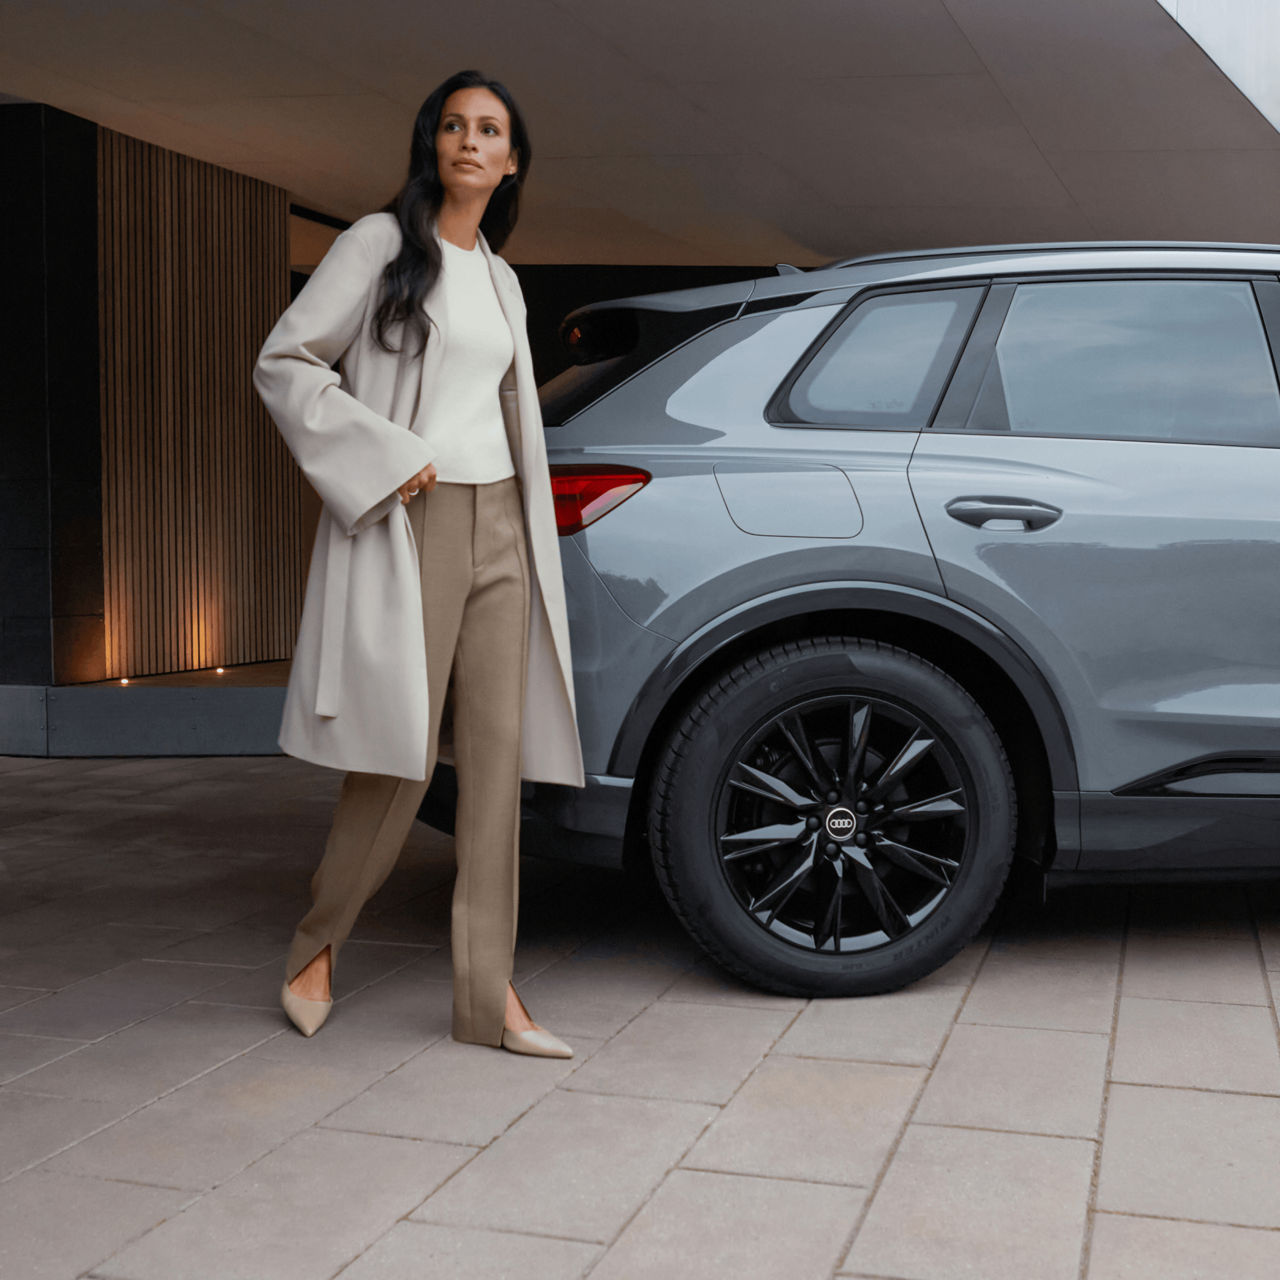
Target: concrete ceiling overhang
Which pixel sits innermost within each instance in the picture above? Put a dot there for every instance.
(699, 131)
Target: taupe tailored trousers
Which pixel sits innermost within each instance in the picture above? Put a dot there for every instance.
(475, 594)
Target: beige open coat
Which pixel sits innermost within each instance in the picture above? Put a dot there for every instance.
(357, 696)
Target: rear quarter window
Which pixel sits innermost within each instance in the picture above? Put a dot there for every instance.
(885, 365)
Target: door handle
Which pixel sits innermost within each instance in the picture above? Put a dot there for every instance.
(979, 511)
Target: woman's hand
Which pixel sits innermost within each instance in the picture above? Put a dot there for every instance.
(425, 479)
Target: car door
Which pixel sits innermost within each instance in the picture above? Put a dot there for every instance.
(1102, 482)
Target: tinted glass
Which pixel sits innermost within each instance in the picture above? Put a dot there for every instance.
(887, 363)
(618, 343)
(1183, 360)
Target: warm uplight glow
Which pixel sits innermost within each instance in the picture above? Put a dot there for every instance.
(221, 670)
(125, 680)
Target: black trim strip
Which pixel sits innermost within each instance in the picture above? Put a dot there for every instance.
(1153, 784)
(779, 302)
(314, 215)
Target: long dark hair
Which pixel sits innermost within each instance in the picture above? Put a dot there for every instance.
(411, 273)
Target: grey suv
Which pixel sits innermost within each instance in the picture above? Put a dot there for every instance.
(881, 572)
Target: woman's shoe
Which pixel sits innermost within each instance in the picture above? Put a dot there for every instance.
(539, 1042)
(307, 1015)
(533, 1039)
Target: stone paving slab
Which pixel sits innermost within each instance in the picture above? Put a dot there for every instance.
(139, 1064)
(705, 982)
(54, 1226)
(906, 1027)
(198, 1136)
(65, 961)
(1197, 1045)
(810, 1118)
(111, 1001)
(35, 1126)
(454, 1092)
(706, 1226)
(22, 1054)
(697, 1053)
(1053, 984)
(576, 1165)
(1091, 1089)
(1130, 1248)
(304, 1210)
(11, 997)
(1173, 967)
(967, 1202)
(1187, 1153)
(1018, 1078)
(428, 1251)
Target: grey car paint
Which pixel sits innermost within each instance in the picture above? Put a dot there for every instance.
(611, 656)
(1152, 603)
(672, 555)
(1148, 610)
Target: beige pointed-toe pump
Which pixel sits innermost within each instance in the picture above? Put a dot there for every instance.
(307, 1015)
(534, 1040)
(540, 1042)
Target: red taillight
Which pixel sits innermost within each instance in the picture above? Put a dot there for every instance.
(584, 492)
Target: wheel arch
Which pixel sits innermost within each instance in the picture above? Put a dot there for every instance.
(993, 668)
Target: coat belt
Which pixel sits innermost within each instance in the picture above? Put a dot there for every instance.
(333, 625)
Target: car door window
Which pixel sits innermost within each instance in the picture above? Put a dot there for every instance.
(887, 362)
(1171, 360)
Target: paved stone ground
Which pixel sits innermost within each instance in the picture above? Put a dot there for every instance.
(1093, 1091)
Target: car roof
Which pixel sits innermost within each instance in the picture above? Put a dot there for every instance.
(968, 261)
(1060, 246)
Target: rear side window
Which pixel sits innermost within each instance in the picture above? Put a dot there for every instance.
(1176, 360)
(886, 364)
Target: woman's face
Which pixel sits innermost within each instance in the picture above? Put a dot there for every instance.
(473, 142)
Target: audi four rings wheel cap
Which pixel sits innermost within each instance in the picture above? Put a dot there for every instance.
(841, 824)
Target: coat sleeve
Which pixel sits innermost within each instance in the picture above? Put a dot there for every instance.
(354, 458)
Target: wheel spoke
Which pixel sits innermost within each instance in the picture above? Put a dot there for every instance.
(759, 839)
(914, 750)
(855, 743)
(905, 783)
(891, 917)
(940, 806)
(792, 876)
(830, 924)
(764, 784)
(928, 865)
(792, 729)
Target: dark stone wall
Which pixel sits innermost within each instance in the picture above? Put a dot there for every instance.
(51, 606)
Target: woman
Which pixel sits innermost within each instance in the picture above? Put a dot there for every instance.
(436, 572)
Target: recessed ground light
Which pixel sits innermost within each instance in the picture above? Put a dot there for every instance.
(125, 680)
(221, 670)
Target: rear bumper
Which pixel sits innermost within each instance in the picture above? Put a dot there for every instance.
(577, 824)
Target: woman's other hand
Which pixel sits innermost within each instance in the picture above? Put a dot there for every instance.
(425, 479)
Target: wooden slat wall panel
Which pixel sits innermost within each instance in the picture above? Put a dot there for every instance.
(205, 537)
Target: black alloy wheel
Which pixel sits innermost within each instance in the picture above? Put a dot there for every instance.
(833, 817)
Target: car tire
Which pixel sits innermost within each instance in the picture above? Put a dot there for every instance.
(862, 887)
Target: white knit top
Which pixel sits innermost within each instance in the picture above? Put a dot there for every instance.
(460, 413)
